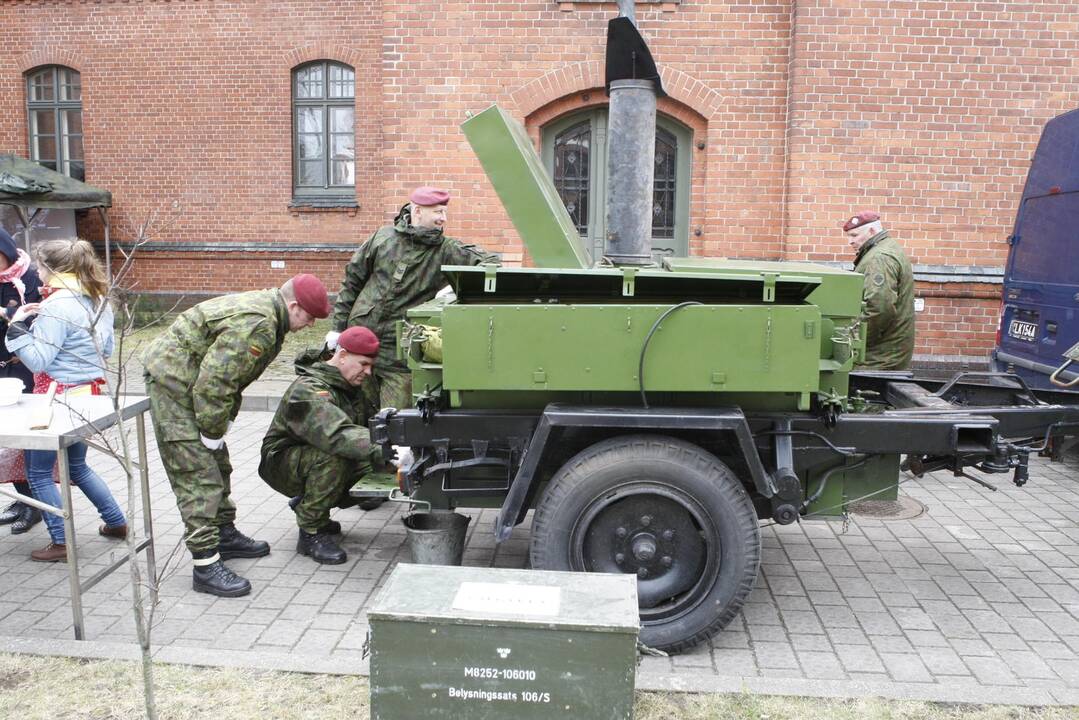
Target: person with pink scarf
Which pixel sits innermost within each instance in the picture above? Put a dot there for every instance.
(19, 285)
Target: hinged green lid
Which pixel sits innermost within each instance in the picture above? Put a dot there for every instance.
(525, 189)
(517, 598)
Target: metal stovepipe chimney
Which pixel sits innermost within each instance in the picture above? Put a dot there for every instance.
(632, 83)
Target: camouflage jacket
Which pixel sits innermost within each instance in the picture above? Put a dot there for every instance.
(214, 350)
(398, 268)
(322, 410)
(889, 300)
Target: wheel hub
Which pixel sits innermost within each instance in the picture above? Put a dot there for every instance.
(644, 547)
(652, 537)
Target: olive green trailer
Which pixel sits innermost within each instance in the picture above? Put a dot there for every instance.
(651, 416)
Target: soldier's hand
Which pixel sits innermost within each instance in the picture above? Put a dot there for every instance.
(377, 458)
(402, 457)
(331, 339)
(212, 444)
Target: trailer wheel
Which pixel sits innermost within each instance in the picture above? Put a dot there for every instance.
(665, 510)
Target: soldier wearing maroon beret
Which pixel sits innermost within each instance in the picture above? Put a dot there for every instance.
(318, 444)
(398, 268)
(888, 295)
(195, 374)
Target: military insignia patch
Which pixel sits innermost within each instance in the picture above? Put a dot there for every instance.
(878, 279)
(255, 350)
(323, 393)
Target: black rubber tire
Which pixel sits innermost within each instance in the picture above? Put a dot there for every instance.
(595, 487)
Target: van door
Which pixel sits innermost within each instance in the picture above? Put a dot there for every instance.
(1040, 319)
(1040, 304)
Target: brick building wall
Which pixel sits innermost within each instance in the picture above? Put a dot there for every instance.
(801, 111)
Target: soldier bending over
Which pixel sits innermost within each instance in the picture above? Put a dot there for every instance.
(195, 373)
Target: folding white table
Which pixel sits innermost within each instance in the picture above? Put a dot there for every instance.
(80, 419)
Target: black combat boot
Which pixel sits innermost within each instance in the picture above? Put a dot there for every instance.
(215, 578)
(332, 527)
(27, 519)
(321, 548)
(234, 544)
(11, 513)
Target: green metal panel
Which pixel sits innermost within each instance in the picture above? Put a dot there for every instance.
(525, 189)
(877, 478)
(756, 348)
(485, 643)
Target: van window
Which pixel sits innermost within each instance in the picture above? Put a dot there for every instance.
(1048, 247)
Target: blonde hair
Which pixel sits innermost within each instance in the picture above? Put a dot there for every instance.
(75, 256)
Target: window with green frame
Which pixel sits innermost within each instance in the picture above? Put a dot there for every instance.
(575, 155)
(324, 132)
(54, 110)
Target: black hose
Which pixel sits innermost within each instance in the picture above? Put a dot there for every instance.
(828, 474)
(826, 441)
(648, 338)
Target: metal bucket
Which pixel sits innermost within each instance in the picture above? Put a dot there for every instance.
(436, 538)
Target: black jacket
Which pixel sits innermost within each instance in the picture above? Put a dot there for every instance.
(9, 302)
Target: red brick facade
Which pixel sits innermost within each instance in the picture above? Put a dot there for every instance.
(801, 110)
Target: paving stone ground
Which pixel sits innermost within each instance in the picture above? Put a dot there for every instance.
(977, 600)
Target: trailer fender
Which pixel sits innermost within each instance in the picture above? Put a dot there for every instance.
(631, 418)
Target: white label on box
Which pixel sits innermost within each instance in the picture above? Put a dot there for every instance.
(507, 598)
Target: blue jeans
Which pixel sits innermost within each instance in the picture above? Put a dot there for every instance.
(39, 472)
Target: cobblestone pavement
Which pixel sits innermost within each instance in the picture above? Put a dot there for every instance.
(976, 600)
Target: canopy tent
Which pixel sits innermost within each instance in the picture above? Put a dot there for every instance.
(31, 188)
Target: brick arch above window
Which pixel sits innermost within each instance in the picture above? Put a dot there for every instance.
(51, 56)
(594, 97)
(333, 52)
(585, 77)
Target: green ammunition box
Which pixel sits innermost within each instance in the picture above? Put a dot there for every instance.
(485, 643)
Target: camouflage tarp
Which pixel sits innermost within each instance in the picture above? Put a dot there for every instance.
(26, 184)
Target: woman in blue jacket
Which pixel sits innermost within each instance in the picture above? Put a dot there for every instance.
(19, 284)
(71, 338)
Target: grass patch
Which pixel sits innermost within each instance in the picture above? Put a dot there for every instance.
(46, 688)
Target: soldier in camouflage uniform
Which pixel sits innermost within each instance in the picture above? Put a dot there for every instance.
(397, 269)
(888, 296)
(195, 373)
(317, 445)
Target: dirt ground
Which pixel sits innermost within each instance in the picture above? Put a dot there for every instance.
(42, 688)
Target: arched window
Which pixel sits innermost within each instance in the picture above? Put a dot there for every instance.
(575, 153)
(54, 108)
(324, 131)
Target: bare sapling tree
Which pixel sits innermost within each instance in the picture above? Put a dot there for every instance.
(116, 442)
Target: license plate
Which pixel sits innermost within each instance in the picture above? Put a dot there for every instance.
(1023, 330)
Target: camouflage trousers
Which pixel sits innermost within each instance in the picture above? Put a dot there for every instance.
(392, 387)
(201, 479)
(321, 478)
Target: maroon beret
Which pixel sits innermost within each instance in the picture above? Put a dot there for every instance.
(359, 341)
(863, 218)
(430, 196)
(311, 295)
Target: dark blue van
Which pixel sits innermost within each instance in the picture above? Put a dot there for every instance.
(1039, 319)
